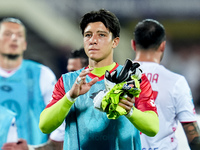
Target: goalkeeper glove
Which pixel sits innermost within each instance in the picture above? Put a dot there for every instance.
(128, 71)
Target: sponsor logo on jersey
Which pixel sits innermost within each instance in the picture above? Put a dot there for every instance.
(6, 88)
(126, 87)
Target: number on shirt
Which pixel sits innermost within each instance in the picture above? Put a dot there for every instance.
(155, 94)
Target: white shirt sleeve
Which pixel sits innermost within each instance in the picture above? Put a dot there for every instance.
(47, 82)
(184, 102)
(12, 133)
(58, 134)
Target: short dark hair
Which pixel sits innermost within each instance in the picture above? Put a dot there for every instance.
(106, 17)
(80, 53)
(149, 33)
(13, 20)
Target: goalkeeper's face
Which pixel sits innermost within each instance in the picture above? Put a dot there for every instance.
(98, 42)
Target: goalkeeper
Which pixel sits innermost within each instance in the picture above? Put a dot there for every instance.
(87, 127)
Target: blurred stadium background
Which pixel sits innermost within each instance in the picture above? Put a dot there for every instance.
(53, 30)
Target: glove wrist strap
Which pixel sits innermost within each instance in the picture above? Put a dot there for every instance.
(130, 113)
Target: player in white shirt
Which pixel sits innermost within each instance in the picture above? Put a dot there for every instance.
(172, 93)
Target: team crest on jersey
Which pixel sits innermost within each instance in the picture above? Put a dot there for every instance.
(94, 94)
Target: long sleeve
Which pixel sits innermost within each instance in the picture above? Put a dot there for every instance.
(144, 116)
(56, 111)
(52, 117)
(147, 122)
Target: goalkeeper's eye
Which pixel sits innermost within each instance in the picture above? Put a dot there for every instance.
(87, 35)
(102, 35)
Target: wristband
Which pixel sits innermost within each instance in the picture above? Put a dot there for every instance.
(130, 113)
(69, 97)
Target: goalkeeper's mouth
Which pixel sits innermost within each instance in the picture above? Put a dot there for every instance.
(93, 49)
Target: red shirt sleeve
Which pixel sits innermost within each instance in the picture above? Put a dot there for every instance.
(58, 92)
(145, 101)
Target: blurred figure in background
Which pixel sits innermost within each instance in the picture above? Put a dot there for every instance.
(25, 86)
(172, 93)
(77, 60)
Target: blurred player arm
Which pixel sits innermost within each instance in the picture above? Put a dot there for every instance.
(22, 145)
(50, 145)
(193, 134)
